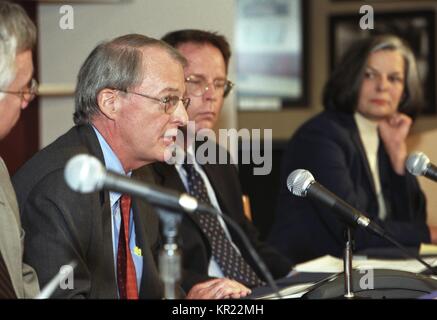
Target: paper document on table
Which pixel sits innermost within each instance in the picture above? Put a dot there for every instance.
(428, 249)
(323, 264)
(331, 264)
(291, 292)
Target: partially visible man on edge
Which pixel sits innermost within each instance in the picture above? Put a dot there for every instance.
(210, 248)
(129, 104)
(17, 89)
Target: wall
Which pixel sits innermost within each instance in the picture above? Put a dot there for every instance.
(63, 51)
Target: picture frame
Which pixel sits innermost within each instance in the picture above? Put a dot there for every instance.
(417, 28)
(271, 54)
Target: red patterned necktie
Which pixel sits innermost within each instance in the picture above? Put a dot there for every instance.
(126, 275)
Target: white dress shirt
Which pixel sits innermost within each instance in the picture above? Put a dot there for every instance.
(368, 130)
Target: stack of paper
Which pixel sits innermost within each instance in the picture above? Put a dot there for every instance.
(331, 264)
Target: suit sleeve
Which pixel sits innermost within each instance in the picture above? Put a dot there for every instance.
(52, 217)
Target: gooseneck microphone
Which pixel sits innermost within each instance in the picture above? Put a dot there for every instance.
(418, 164)
(85, 173)
(302, 184)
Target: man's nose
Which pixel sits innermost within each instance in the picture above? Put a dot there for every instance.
(180, 115)
(210, 92)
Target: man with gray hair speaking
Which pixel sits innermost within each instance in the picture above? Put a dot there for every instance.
(17, 89)
(129, 98)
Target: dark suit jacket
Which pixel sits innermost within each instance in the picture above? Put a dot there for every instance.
(329, 146)
(196, 249)
(62, 225)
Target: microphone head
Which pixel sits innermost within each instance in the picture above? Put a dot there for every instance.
(84, 173)
(417, 163)
(298, 182)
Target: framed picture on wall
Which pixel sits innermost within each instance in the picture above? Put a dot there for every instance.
(417, 28)
(270, 50)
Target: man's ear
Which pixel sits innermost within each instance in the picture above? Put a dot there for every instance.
(107, 101)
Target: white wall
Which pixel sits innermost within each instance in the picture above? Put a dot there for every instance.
(62, 52)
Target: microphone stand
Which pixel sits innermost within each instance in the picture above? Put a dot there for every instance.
(170, 257)
(347, 265)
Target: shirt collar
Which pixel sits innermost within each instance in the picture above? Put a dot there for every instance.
(365, 126)
(112, 163)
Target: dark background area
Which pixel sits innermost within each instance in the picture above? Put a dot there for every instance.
(262, 190)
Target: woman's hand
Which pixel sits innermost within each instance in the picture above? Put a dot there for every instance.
(394, 132)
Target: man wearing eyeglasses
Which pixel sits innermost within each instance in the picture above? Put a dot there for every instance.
(17, 38)
(207, 85)
(128, 105)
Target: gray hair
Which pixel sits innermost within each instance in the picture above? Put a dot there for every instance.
(17, 34)
(115, 64)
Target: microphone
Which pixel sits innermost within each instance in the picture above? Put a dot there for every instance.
(418, 164)
(302, 184)
(85, 173)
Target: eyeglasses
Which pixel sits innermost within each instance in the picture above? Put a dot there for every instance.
(197, 85)
(170, 103)
(28, 94)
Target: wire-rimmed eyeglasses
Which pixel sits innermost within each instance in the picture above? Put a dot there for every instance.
(197, 85)
(170, 103)
(28, 94)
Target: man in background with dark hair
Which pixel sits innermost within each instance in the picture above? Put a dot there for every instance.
(17, 89)
(210, 248)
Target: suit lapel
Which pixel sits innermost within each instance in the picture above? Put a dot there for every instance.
(108, 248)
(146, 230)
(11, 241)
(9, 250)
(167, 176)
(89, 139)
(216, 180)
